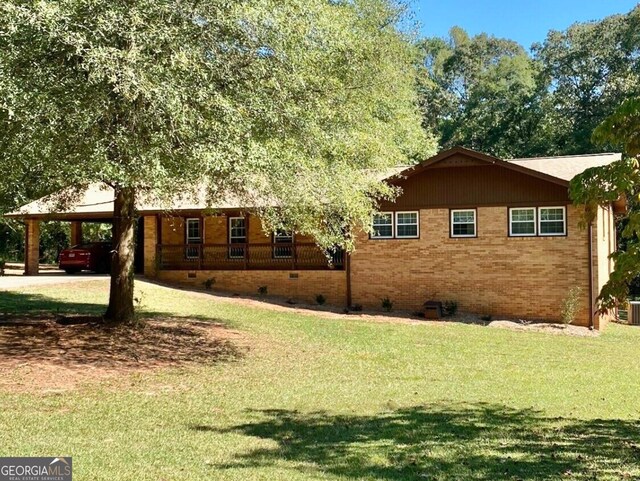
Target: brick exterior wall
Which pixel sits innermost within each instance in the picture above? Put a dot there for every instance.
(215, 230)
(150, 242)
(303, 288)
(76, 233)
(32, 247)
(516, 277)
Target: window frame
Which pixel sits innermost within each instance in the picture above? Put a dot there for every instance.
(285, 247)
(475, 224)
(230, 237)
(188, 221)
(193, 252)
(417, 224)
(393, 230)
(535, 222)
(564, 221)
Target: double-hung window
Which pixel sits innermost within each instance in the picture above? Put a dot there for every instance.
(540, 221)
(396, 225)
(522, 221)
(282, 244)
(383, 226)
(463, 223)
(407, 225)
(237, 235)
(552, 221)
(193, 235)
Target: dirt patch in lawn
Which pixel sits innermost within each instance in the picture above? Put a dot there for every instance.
(39, 354)
(561, 329)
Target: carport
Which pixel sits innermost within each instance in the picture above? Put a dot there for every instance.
(95, 204)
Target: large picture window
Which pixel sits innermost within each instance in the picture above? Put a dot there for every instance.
(463, 223)
(522, 221)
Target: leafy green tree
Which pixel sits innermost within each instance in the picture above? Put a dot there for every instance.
(602, 185)
(491, 95)
(288, 105)
(590, 69)
(480, 92)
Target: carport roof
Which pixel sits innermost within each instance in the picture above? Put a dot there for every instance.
(96, 203)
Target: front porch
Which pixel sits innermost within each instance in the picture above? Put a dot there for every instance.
(265, 256)
(231, 252)
(226, 248)
(229, 241)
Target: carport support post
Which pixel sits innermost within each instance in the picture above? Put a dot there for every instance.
(151, 242)
(76, 233)
(32, 247)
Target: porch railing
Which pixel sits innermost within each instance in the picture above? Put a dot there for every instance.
(248, 256)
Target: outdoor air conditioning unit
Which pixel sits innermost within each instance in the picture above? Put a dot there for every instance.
(634, 313)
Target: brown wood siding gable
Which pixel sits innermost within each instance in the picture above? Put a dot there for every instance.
(455, 185)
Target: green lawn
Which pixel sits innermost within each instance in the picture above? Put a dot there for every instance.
(317, 398)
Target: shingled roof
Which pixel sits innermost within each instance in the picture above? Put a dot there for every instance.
(97, 200)
(566, 167)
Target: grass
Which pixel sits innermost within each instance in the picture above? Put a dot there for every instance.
(333, 399)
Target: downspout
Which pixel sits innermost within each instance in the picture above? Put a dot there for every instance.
(591, 298)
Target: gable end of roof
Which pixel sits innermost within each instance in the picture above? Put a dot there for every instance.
(472, 154)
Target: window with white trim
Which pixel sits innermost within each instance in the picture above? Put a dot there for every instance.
(282, 251)
(522, 221)
(463, 223)
(193, 235)
(382, 226)
(552, 221)
(407, 225)
(237, 235)
(194, 232)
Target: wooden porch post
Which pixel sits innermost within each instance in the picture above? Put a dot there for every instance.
(295, 250)
(32, 248)
(247, 220)
(76, 233)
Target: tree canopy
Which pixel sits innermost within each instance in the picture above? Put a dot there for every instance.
(590, 69)
(283, 104)
(479, 92)
(490, 94)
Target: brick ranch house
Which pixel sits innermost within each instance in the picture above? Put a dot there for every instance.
(498, 237)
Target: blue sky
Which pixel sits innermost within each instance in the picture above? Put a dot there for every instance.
(526, 21)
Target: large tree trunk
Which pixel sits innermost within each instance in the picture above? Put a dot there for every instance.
(120, 310)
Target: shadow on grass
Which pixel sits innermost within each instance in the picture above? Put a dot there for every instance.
(480, 441)
(30, 334)
(28, 304)
(286, 304)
